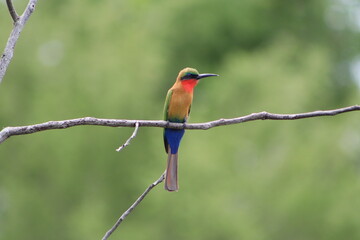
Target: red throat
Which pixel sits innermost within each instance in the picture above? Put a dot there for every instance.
(189, 84)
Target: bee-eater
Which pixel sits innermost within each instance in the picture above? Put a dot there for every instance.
(177, 108)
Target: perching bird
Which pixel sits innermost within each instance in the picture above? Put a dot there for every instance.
(177, 108)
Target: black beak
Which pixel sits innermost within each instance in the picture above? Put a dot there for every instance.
(204, 75)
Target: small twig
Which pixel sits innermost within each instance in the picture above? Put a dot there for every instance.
(12, 11)
(129, 140)
(15, 33)
(133, 206)
(12, 131)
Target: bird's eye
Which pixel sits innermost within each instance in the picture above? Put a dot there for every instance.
(189, 76)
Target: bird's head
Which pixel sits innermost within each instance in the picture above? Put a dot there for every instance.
(192, 73)
(189, 77)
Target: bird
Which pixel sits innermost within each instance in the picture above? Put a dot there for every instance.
(176, 109)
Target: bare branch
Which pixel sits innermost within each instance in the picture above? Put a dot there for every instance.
(127, 143)
(207, 125)
(22, 130)
(19, 24)
(133, 206)
(12, 11)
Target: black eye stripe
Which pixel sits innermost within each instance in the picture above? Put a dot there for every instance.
(189, 76)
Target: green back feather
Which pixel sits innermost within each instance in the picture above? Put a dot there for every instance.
(166, 106)
(166, 117)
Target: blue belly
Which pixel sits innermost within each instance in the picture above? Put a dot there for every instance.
(173, 138)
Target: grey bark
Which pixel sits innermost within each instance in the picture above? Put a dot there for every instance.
(22, 130)
(19, 24)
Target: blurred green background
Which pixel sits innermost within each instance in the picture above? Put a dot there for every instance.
(116, 59)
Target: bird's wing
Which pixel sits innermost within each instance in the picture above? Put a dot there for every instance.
(188, 113)
(166, 117)
(167, 103)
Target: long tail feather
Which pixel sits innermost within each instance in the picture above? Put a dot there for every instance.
(171, 178)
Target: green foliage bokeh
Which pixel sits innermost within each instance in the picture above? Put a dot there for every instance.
(116, 59)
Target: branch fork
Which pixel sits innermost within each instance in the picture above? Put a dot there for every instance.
(127, 143)
(12, 11)
(19, 23)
